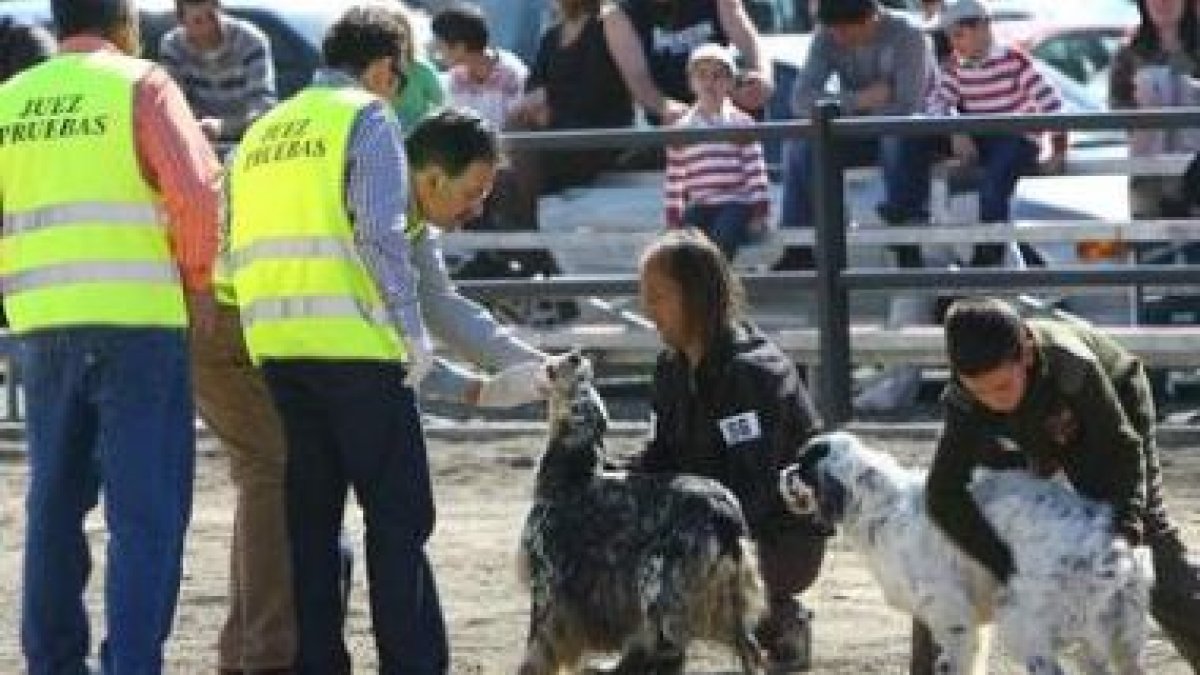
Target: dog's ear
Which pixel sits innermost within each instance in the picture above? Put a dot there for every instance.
(798, 482)
(817, 449)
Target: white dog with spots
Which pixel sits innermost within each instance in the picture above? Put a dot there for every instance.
(1077, 587)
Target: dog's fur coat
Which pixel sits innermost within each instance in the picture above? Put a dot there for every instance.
(1076, 585)
(639, 564)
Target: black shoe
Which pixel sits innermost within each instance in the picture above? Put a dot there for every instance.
(795, 259)
(907, 255)
(786, 636)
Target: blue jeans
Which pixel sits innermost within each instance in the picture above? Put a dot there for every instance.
(109, 409)
(727, 225)
(906, 176)
(1003, 159)
(354, 425)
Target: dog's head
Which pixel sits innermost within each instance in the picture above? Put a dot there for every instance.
(577, 413)
(816, 486)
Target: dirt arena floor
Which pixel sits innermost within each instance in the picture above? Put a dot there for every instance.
(483, 489)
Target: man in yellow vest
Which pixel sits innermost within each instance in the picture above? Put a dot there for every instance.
(258, 635)
(110, 205)
(322, 240)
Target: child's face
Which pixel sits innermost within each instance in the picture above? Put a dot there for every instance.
(711, 80)
(971, 38)
(662, 300)
(450, 54)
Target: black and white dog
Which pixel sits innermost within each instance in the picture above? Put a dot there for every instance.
(637, 564)
(1077, 587)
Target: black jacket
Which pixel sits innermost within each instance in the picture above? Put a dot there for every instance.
(1087, 412)
(740, 417)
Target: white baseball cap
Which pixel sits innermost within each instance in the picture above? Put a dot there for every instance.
(711, 51)
(962, 10)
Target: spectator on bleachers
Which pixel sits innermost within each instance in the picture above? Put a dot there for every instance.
(574, 84)
(651, 40)
(883, 65)
(223, 64)
(987, 77)
(482, 77)
(717, 187)
(22, 45)
(942, 50)
(1154, 70)
(422, 90)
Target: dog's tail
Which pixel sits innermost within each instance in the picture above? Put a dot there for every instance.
(746, 602)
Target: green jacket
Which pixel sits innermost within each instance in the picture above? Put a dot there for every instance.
(1087, 412)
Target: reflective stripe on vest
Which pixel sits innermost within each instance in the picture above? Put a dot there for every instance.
(62, 274)
(84, 239)
(331, 306)
(70, 214)
(301, 288)
(294, 247)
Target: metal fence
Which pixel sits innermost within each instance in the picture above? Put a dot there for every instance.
(832, 280)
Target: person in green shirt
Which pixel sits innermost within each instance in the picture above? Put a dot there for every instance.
(1065, 401)
(421, 90)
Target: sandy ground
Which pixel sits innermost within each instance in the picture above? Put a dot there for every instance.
(483, 490)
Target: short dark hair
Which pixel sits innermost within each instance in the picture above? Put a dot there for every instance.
(361, 36)
(982, 334)
(452, 139)
(98, 17)
(22, 45)
(180, 4)
(845, 11)
(463, 24)
(713, 297)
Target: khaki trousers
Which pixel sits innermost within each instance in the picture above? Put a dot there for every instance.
(259, 631)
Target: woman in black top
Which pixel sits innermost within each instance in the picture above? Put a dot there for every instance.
(652, 39)
(729, 404)
(574, 84)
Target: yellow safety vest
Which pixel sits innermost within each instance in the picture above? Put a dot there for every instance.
(301, 288)
(85, 242)
(414, 230)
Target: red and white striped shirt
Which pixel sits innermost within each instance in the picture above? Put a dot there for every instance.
(1004, 81)
(717, 172)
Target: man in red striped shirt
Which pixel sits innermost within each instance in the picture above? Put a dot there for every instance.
(985, 77)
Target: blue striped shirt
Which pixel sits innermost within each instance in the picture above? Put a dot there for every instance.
(377, 201)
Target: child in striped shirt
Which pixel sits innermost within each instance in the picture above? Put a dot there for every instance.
(985, 77)
(718, 187)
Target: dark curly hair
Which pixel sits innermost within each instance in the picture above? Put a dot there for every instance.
(22, 45)
(362, 35)
(99, 17)
(452, 139)
(463, 23)
(982, 334)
